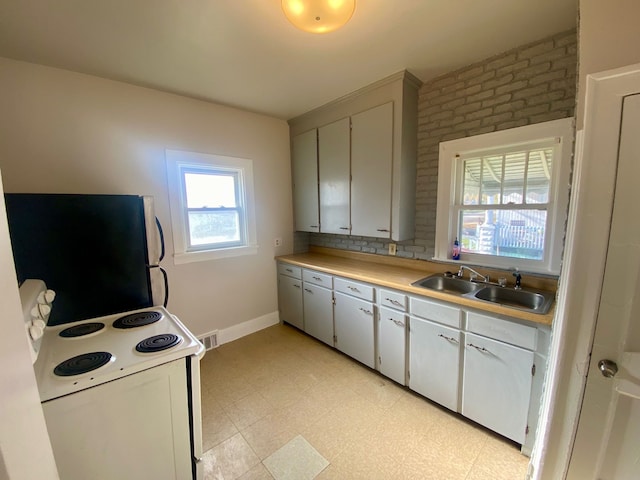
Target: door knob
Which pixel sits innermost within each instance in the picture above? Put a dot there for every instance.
(608, 368)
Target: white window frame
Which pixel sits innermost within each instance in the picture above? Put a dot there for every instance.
(561, 132)
(180, 162)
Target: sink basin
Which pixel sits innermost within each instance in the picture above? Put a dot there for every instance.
(526, 300)
(440, 283)
(536, 302)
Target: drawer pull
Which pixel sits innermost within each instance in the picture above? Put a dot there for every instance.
(353, 289)
(382, 230)
(297, 286)
(289, 270)
(308, 290)
(480, 349)
(344, 228)
(397, 322)
(449, 339)
(317, 278)
(313, 226)
(368, 312)
(394, 302)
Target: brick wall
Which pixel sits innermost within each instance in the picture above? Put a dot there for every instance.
(530, 84)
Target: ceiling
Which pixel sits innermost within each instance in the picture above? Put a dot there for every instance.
(244, 53)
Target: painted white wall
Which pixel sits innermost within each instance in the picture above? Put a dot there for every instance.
(64, 132)
(25, 451)
(608, 38)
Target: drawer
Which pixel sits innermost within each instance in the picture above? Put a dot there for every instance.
(438, 312)
(391, 299)
(504, 330)
(354, 289)
(290, 270)
(317, 278)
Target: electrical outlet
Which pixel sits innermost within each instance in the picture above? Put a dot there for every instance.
(392, 249)
(277, 242)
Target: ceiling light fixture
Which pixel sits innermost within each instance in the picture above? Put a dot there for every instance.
(318, 16)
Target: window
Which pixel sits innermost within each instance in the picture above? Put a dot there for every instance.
(211, 199)
(504, 196)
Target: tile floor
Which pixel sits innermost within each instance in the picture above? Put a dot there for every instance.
(280, 405)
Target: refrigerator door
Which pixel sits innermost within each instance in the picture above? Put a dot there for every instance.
(90, 249)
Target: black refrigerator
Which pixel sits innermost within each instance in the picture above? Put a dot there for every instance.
(99, 253)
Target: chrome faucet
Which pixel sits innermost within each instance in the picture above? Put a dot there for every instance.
(485, 278)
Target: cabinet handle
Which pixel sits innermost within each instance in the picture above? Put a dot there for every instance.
(353, 289)
(344, 228)
(289, 270)
(297, 286)
(394, 302)
(480, 349)
(313, 226)
(397, 322)
(450, 339)
(317, 278)
(382, 230)
(308, 290)
(368, 312)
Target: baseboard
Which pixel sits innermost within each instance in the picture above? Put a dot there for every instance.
(243, 329)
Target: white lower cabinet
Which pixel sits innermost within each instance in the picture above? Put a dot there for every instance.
(496, 386)
(354, 323)
(392, 341)
(318, 312)
(290, 300)
(434, 363)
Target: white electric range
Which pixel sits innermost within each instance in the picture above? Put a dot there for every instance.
(120, 393)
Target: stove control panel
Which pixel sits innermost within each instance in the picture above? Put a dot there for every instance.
(36, 302)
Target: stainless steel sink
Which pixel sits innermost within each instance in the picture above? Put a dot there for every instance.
(527, 300)
(536, 302)
(440, 283)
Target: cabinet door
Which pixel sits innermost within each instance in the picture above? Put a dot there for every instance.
(290, 300)
(354, 319)
(305, 181)
(334, 177)
(371, 171)
(434, 361)
(392, 344)
(497, 385)
(318, 312)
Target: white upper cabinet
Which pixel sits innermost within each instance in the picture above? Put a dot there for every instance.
(367, 159)
(304, 153)
(334, 176)
(371, 171)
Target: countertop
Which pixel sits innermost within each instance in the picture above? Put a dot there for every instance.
(399, 273)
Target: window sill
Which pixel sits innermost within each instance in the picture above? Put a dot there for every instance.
(206, 255)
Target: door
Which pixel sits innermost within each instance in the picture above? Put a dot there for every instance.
(318, 312)
(606, 445)
(392, 341)
(334, 174)
(305, 181)
(371, 162)
(290, 300)
(434, 362)
(354, 328)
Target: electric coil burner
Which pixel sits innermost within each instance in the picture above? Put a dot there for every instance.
(139, 319)
(82, 364)
(157, 343)
(81, 330)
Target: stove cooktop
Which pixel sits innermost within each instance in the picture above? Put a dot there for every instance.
(84, 354)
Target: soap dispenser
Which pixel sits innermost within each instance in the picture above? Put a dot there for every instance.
(455, 252)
